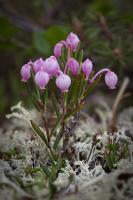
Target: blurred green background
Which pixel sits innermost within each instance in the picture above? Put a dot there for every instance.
(29, 29)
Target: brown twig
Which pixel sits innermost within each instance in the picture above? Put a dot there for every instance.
(119, 97)
(104, 27)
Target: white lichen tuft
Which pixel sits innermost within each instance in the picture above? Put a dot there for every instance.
(18, 111)
(88, 172)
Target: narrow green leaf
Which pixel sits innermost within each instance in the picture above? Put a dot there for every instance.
(82, 87)
(81, 54)
(91, 87)
(46, 170)
(71, 113)
(77, 51)
(58, 122)
(109, 162)
(63, 55)
(39, 132)
(74, 90)
(45, 98)
(55, 104)
(58, 138)
(55, 169)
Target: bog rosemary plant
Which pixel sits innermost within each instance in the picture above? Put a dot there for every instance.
(61, 84)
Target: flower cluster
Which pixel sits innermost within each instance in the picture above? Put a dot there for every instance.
(45, 70)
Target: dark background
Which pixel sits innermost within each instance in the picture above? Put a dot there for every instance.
(29, 29)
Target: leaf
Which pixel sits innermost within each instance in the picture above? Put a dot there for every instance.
(74, 90)
(41, 43)
(109, 162)
(56, 33)
(77, 52)
(82, 87)
(39, 132)
(91, 87)
(55, 104)
(81, 54)
(77, 109)
(55, 169)
(59, 120)
(58, 138)
(46, 170)
(45, 98)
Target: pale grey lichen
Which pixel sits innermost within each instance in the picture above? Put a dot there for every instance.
(18, 111)
(125, 119)
(87, 176)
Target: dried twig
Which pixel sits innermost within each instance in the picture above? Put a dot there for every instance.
(116, 104)
(104, 27)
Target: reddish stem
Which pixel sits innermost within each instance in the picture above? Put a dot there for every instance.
(98, 74)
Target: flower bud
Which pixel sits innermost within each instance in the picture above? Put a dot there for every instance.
(72, 41)
(87, 68)
(41, 79)
(111, 79)
(38, 65)
(51, 66)
(63, 82)
(58, 49)
(25, 72)
(73, 65)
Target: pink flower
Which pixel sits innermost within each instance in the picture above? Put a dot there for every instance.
(73, 65)
(72, 41)
(59, 73)
(26, 72)
(41, 79)
(58, 49)
(111, 79)
(87, 68)
(104, 70)
(51, 66)
(38, 65)
(63, 82)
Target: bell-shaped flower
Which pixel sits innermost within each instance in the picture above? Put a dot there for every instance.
(63, 82)
(26, 72)
(72, 41)
(41, 79)
(111, 79)
(58, 49)
(87, 68)
(38, 65)
(51, 66)
(73, 65)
